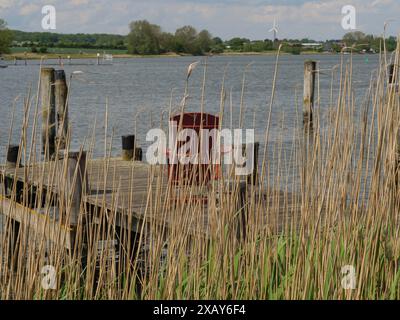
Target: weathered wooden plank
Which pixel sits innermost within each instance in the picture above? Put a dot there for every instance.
(51, 228)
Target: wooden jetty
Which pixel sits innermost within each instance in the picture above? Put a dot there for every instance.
(66, 191)
(133, 190)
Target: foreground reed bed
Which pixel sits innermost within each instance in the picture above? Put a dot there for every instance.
(273, 238)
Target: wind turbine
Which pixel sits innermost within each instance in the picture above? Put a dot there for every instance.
(274, 29)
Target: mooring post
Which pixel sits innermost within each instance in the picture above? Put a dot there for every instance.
(74, 185)
(128, 147)
(48, 111)
(391, 74)
(138, 154)
(98, 58)
(252, 178)
(249, 169)
(11, 163)
(61, 93)
(393, 77)
(309, 89)
(12, 228)
(15, 61)
(12, 156)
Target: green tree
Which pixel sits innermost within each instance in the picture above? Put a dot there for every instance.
(186, 40)
(218, 45)
(167, 42)
(5, 37)
(354, 38)
(237, 44)
(218, 41)
(204, 41)
(144, 38)
(292, 48)
(391, 43)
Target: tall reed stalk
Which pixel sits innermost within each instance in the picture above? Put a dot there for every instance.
(332, 201)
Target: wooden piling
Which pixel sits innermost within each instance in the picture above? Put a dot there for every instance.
(12, 239)
(241, 231)
(74, 185)
(309, 91)
(12, 156)
(128, 147)
(392, 75)
(48, 112)
(138, 154)
(61, 94)
(250, 153)
(252, 179)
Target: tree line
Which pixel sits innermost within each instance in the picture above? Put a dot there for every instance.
(146, 38)
(5, 37)
(80, 40)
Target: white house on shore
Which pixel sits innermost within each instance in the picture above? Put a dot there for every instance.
(312, 45)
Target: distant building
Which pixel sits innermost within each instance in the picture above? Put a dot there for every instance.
(313, 45)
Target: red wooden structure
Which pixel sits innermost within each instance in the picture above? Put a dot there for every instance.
(194, 173)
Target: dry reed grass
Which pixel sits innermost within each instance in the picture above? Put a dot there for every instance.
(344, 211)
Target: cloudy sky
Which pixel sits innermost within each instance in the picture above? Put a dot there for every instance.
(318, 19)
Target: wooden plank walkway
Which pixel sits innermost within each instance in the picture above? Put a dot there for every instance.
(137, 192)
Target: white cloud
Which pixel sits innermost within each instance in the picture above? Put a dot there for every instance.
(79, 2)
(377, 3)
(252, 18)
(4, 4)
(29, 9)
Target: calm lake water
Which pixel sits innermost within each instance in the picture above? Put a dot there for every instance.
(141, 89)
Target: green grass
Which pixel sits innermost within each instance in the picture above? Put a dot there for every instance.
(70, 50)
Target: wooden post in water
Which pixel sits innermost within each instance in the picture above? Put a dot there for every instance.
(393, 78)
(253, 177)
(61, 93)
(11, 163)
(138, 154)
(74, 185)
(12, 229)
(128, 147)
(250, 153)
(309, 92)
(47, 95)
(12, 156)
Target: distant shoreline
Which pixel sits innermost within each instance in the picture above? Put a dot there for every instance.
(51, 56)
